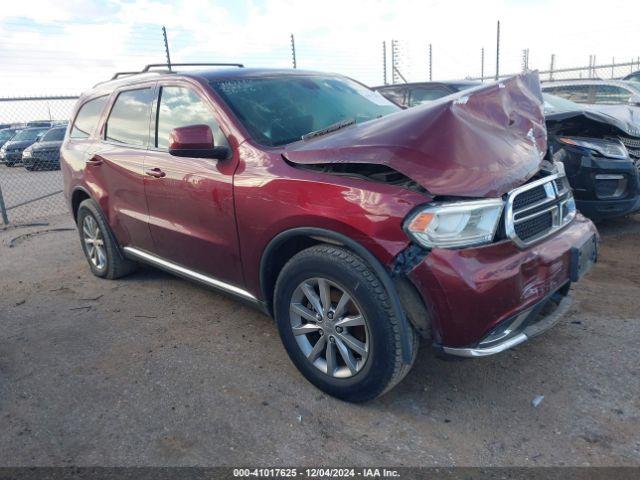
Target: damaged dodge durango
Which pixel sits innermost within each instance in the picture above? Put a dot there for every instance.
(359, 227)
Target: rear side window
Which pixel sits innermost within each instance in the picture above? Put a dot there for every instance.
(128, 121)
(181, 107)
(611, 95)
(396, 95)
(88, 117)
(575, 93)
(421, 95)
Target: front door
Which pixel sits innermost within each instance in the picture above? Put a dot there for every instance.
(190, 200)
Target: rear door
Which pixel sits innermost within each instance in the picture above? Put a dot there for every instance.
(114, 165)
(191, 208)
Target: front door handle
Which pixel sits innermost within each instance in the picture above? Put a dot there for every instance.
(95, 161)
(155, 172)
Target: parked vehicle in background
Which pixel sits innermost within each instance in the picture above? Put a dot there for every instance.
(44, 154)
(40, 123)
(633, 77)
(601, 154)
(7, 134)
(615, 97)
(414, 94)
(359, 226)
(11, 152)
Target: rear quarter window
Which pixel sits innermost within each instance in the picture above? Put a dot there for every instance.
(128, 121)
(88, 117)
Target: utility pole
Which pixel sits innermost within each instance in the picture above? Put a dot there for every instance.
(293, 51)
(553, 61)
(482, 64)
(498, 52)
(430, 63)
(384, 62)
(3, 209)
(613, 62)
(394, 61)
(166, 46)
(525, 59)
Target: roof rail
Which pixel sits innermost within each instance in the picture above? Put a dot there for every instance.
(148, 68)
(194, 64)
(122, 74)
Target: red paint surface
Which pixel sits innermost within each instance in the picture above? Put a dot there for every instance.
(217, 217)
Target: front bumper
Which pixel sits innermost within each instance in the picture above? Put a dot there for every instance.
(41, 159)
(528, 324)
(12, 158)
(602, 187)
(470, 292)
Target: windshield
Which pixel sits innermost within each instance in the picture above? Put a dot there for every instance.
(280, 110)
(30, 134)
(54, 135)
(6, 134)
(553, 103)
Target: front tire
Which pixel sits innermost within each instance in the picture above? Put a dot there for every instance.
(336, 322)
(99, 243)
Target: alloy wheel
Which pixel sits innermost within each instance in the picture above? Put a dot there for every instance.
(329, 327)
(94, 243)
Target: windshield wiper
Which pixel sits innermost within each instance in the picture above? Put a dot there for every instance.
(331, 128)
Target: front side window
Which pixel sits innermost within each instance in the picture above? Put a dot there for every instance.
(280, 110)
(88, 117)
(611, 95)
(421, 95)
(181, 107)
(128, 121)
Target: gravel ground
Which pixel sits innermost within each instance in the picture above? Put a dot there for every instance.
(153, 370)
(31, 195)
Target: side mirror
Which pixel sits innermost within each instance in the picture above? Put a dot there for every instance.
(195, 141)
(635, 100)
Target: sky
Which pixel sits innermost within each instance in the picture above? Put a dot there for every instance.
(66, 46)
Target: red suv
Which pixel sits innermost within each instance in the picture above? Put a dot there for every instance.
(357, 225)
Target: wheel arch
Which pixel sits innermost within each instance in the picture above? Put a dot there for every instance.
(295, 240)
(78, 196)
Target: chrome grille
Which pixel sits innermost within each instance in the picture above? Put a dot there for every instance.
(633, 146)
(537, 209)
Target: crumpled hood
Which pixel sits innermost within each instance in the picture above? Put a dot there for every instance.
(476, 143)
(588, 122)
(624, 113)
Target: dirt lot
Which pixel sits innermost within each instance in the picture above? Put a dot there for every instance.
(153, 370)
(31, 195)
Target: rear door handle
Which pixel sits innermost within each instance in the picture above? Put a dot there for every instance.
(155, 172)
(95, 161)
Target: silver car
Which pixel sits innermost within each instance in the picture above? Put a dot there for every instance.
(619, 98)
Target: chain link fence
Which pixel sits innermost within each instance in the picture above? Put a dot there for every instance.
(31, 132)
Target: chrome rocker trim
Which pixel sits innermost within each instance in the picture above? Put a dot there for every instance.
(528, 332)
(179, 270)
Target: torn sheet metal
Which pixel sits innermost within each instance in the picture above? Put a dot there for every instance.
(477, 143)
(588, 123)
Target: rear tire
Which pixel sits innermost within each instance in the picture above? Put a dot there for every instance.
(362, 369)
(99, 244)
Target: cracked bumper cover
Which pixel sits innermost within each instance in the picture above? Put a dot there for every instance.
(471, 293)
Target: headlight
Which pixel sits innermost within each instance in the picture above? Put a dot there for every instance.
(26, 153)
(455, 224)
(606, 148)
